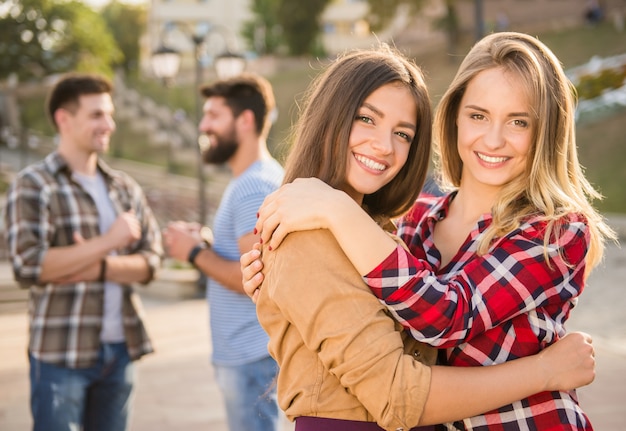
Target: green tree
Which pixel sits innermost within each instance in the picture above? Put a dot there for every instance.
(126, 23)
(42, 37)
(263, 33)
(382, 12)
(450, 24)
(300, 22)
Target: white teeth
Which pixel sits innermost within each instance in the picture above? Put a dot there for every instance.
(490, 159)
(370, 163)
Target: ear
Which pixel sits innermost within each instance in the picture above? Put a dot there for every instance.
(247, 119)
(60, 117)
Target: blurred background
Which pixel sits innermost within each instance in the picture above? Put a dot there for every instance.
(287, 42)
(158, 52)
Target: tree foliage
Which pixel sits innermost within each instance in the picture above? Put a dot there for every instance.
(382, 12)
(300, 22)
(263, 32)
(127, 23)
(42, 37)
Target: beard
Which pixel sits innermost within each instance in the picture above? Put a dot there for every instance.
(225, 147)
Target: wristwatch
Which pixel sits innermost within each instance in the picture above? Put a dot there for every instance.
(194, 252)
(206, 234)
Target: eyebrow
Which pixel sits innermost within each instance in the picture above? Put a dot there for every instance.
(512, 114)
(382, 115)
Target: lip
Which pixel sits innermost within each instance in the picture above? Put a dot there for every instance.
(371, 164)
(491, 160)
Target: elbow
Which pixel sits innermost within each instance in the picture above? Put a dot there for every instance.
(25, 281)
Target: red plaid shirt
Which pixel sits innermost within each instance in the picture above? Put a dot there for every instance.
(505, 304)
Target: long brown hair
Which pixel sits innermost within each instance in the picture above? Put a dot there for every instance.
(553, 184)
(320, 137)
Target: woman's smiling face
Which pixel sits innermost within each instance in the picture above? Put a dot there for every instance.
(380, 139)
(495, 129)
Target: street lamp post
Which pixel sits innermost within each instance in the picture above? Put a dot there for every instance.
(166, 63)
(480, 20)
(166, 69)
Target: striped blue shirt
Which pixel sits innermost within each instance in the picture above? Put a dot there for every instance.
(236, 334)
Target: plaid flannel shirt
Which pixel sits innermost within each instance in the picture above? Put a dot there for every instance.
(505, 304)
(44, 208)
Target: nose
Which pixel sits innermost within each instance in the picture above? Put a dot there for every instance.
(205, 124)
(383, 143)
(110, 123)
(494, 137)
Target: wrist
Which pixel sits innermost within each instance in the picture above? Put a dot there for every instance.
(103, 270)
(540, 368)
(195, 251)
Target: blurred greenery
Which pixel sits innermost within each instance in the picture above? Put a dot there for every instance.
(601, 143)
(593, 85)
(53, 37)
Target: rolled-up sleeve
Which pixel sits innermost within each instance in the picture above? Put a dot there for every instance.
(28, 229)
(320, 293)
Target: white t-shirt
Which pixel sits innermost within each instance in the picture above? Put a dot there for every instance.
(112, 320)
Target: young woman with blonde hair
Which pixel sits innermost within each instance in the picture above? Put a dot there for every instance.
(494, 266)
(344, 363)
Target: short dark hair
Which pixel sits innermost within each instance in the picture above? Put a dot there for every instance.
(245, 91)
(70, 87)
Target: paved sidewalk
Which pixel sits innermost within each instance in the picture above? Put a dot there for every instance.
(176, 389)
(175, 385)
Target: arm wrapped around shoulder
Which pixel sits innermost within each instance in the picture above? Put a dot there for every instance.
(327, 327)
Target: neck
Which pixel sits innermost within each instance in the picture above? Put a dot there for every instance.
(472, 204)
(247, 154)
(79, 161)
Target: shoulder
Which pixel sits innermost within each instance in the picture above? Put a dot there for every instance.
(567, 236)
(310, 261)
(260, 179)
(426, 204)
(568, 225)
(263, 172)
(119, 178)
(312, 251)
(40, 175)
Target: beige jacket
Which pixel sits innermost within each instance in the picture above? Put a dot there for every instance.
(340, 353)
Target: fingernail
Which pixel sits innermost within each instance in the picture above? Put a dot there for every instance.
(261, 241)
(257, 215)
(269, 248)
(255, 231)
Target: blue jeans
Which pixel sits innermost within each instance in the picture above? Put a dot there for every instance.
(249, 392)
(91, 399)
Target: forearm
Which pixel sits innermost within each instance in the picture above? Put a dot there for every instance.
(226, 272)
(127, 269)
(63, 262)
(364, 242)
(461, 392)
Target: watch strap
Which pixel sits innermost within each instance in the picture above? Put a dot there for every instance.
(194, 253)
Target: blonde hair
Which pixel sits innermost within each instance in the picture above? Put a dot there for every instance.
(553, 184)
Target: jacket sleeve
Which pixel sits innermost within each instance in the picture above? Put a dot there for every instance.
(318, 291)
